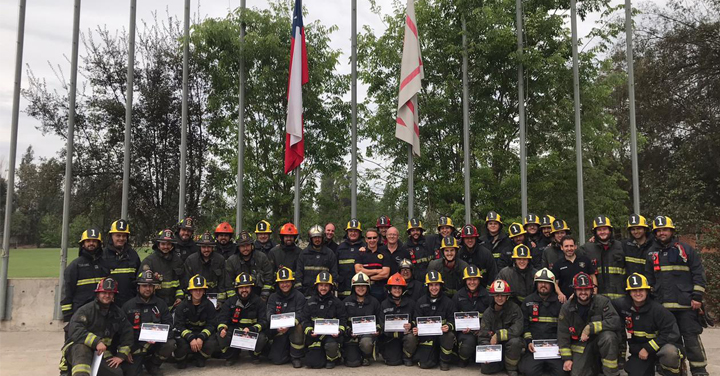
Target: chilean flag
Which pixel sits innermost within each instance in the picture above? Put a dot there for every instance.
(294, 140)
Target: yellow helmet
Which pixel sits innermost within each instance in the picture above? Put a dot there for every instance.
(521, 251)
(91, 234)
(120, 226)
(263, 227)
(559, 225)
(637, 281)
(662, 221)
(353, 224)
(197, 282)
(493, 216)
(244, 279)
(637, 220)
(445, 221)
(471, 272)
(324, 277)
(516, 230)
(449, 242)
(601, 221)
(415, 223)
(547, 221)
(284, 274)
(433, 277)
(531, 219)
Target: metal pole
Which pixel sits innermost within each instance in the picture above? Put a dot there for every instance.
(521, 109)
(183, 132)
(241, 128)
(296, 216)
(353, 104)
(466, 123)
(411, 188)
(13, 151)
(631, 93)
(578, 131)
(69, 148)
(128, 109)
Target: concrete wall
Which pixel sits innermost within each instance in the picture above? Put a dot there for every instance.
(33, 304)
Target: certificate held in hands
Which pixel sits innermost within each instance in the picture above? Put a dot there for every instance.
(429, 326)
(363, 325)
(154, 332)
(244, 341)
(326, 327)
(546, 349)
(396, 323)
(282, 320)
(467, 320)
(488, 354)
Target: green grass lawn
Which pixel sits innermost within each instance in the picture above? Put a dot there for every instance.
(42, 262)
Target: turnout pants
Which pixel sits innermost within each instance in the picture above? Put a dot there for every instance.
(668, 356)
(466, 346)
(321, 349)
(357, 348)
(209, 347)
(690, 330)
(398, 346)
(224, 343)
(77, 361)
(151, 356)
(529, 366)
(287, 345)
(585, 355)
(512, 350)
(430, 347)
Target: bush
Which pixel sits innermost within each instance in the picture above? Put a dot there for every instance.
(711, 262)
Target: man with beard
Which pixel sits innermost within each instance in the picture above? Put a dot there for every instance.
(185, 245)
(413, 288)
(568, 267)
(435, 303)
(395, 249)
(314, 259)
(168, 268)
(471, 298)
(449, 266)
(531, 224)
(520, 274)
(98, 327)
(358, 348)
(420, 253)
(518, 235)
(211, 266)
(497, 241)
(147, 308)
(285, 254)
(607, 257)
(474, 252)
(383, 224)
(330, 236)
(677, 275)
(286, 343)
(323, 350)
(122, 261)
(545, 229)
(246, 312)
(223, 240)
(250, 262)
(587, 331)
(82, 274)
(398, 347)
(502, 324)
(195, 321)
(638, 245)
(263, 243)
(348, 253)
(652, 329)
(540, 312)
(553, 252)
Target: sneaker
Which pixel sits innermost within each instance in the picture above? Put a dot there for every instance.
(330, 365)
(200, 361)
(446, 367)
(297, 363)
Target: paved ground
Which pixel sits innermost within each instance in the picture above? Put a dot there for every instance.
(38, 353)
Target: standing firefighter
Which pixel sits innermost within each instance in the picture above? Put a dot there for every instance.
(323, 350)
(168, 268)
(435, 303)
(497, 241)
(520, 274)
(316, 258)
(502, 324)
(246, 312)
(122, 260)
(677, 276)
(147, 308)
(531, 224)
(398, 347)
(98, 327)
(518, 235)
(286, 343)
(195, 322)
(248, 260)
(608, 258)
(185, 245)
(359, 348)
(285, 254)
(546, 222)
(449, 266)
(210, 265)
(588, 328)
(262, 232)
(420, 253)
(348, 252)
(652, 329)
(83, 274)
(474, 252)
(638, 246)
(223, 240)
(471, 298)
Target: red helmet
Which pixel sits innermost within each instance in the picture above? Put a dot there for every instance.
(396, 280)
(582, 281)
(288, 229)
(383, 221)
(469, 231)
(107, 285)
(500, 287)
(224, 228)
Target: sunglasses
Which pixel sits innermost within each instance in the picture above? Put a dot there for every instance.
(371, 238)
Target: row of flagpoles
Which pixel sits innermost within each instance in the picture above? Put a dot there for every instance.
(407, 126)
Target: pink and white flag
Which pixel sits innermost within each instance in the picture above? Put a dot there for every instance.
(411, 75)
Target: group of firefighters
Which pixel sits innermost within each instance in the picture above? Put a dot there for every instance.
(608, 304)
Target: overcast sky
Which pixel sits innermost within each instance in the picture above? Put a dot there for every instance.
(48, 38)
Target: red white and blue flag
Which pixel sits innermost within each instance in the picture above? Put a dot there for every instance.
(411, 75)
(294, 139)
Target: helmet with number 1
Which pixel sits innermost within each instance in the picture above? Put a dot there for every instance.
(559, 225)
(224, 228)
(107, 284)
(531, 219)
(383, 221)
(263, 227)
(360, 279)
(449, 242)
(288, 229)
(601, 221)
(120, 226)
(197, 282)
(433, 277)
(493, 216)
(521, 251)
(445, 221)
(284, 274)
(415, 223)
(91, 234)
(516, 230)
(471, 272)
(662, 221)
(544, 275)
(637, 281)
(244, 280)
(582, 281)
(315, 231)
(396, 280)
(547, 221)
(469, 231)
(500, 287)
(637, 220)
(353, 224)
(324, 277)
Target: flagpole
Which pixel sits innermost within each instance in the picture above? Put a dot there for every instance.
(296, 217)
(578, 130)
(466, 123)
(241, 128)
(631, 93)
(353, 104)
(411, 183)
(128, 109)
(183, 131)
(521, 110)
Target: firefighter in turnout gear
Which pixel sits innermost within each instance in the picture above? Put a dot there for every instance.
(638, 246)
(433, 242)
(98, 327)
(168, 267)
(398, 347)
(676, 273)
(474, 252)
(520, 274)
(413, 288)
(435, 303)
(122, 260)
(449, 266)
(211, 266)
(285, 254)
(502, 324)
(416, 245)
(251, 262)
(286, 343)
(607, 256)
(383, 224)
(316, 258)
(224, 245)
(83, 274)
(322, 349)
(262, 232)
(185, 244)
(540, 321)
(147, 308)
(471, 298)
(497, 241)
(359, 348)
(546, 222)
(348, 253)
(195, 323)
(531, 224)
(518, 235)
(652, 331)
(246, 312)
(588, 327)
